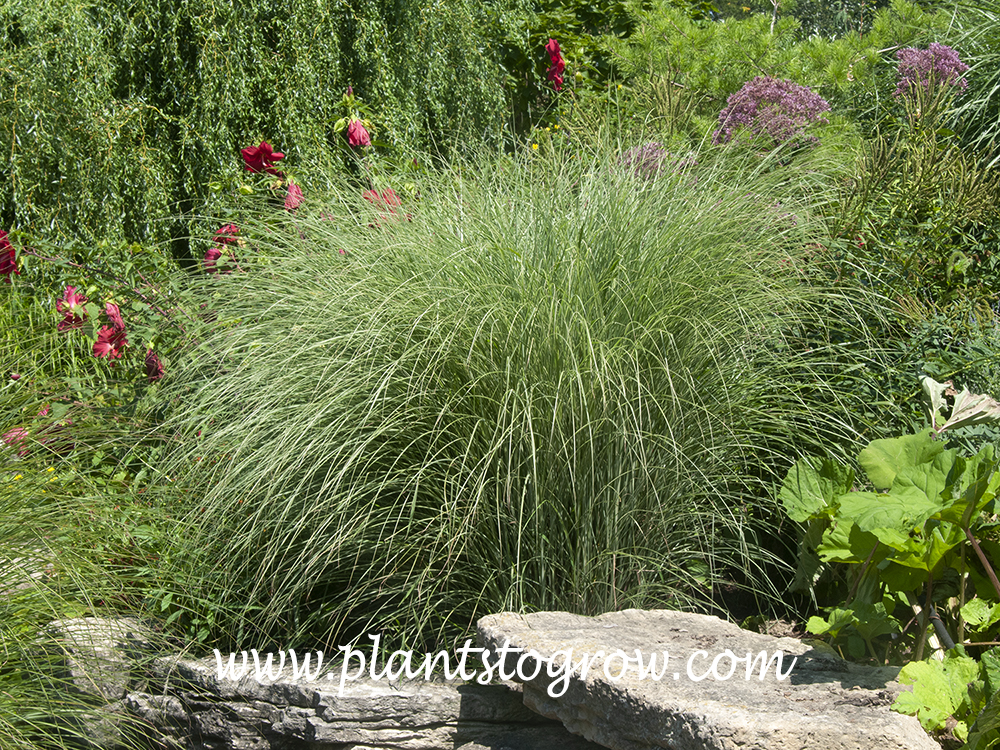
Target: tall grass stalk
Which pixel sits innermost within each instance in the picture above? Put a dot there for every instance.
(549, 385)
(59, 559)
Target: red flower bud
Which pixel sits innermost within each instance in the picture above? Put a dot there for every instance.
(8, 259)
(357, 135)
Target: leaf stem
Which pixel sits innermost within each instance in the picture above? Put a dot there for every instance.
(864, 569)
(982, 558)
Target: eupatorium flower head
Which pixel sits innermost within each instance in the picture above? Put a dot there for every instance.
(939, 64)
(772, 107)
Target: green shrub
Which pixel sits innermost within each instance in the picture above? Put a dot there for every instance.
(705, 62)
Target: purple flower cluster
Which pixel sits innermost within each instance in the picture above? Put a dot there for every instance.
(923, 67)
(648, 160)
(769, 106)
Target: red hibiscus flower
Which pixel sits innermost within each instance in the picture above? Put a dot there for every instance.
(294, 198)
(213, 254)
(555, 72)
(261, 158)
(228, 234)
(114, 316)
(110, 343)
(16, 439)
(154, 368)
(388, 200)
(357, 135)
(71, 306)
(8, 259)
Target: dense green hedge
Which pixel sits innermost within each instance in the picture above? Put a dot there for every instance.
(117, 115)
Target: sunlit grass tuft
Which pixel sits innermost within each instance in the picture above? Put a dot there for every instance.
(540, 384)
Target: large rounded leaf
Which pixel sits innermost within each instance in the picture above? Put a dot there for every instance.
(883, 459)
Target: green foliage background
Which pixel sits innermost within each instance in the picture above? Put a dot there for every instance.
(117, 115)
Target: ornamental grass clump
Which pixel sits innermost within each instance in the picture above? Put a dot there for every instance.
(773, 109)
(651, 159)
(541, 391)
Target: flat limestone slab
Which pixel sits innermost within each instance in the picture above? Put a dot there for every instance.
(823, 702)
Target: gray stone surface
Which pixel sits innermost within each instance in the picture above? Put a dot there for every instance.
(823, 703)
(101, 659)
(176, 702)
(30, 567)
(193, 708)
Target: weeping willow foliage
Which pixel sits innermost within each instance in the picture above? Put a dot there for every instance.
(117, 115)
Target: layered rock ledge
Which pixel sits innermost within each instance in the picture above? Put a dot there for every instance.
(822, 702)
(176, 702)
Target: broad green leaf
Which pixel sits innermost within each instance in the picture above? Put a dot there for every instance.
(978, 493)
(872, 620)
(985, 732)
(968, 469)
(901, 510)
(812, 487)
(939, 688)
(901, 578)
(845, 542)
(837, 621)
(979, 614)
(990, 661)
(855, 646)
(931, 477)
(883, 459)
(810, 566)
(927, 551)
